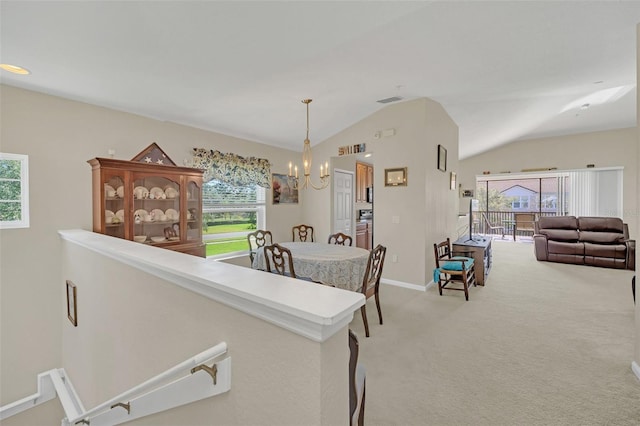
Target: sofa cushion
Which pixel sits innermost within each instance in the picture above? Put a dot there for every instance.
(560, 247)
(616, 251)
(601, 237)
(566, 258)
(557, 222)
(568, 235)
(601, 224)
(605, 262)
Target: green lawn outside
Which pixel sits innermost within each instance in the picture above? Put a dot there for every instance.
(227, 245)
(221, 229)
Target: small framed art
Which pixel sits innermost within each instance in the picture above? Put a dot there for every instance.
(283, 191)
(452, 181)
(442, 158)
(72, 308)
(395, 177)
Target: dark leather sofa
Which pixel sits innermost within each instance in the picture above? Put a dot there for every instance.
(595, 241)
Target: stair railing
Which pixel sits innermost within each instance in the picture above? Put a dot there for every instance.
(169, 389)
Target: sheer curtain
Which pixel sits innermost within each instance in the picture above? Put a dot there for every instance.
(595, 192)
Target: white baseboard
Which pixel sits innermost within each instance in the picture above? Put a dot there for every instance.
(411, 286)
(636, 369)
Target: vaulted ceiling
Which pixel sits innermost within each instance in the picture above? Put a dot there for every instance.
(504, 71)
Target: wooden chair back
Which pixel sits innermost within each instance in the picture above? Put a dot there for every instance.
(442, 251)
(278, 259)
(340, 239)
(356, 383)
(257, 239)
(373, 272)
(303, 233)
(354, 349)
(371, 282)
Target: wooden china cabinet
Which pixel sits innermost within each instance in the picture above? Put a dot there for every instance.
(159, 205)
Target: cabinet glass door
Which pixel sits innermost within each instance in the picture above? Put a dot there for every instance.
(194, 215)
(113, 196)
(156, 210)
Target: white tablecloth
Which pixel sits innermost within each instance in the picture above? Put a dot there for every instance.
(340, 266)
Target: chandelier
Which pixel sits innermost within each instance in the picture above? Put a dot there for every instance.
(306, 161)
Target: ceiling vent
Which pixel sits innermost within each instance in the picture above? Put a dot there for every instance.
(389, 100)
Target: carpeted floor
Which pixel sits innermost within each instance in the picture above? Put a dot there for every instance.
(541, 344)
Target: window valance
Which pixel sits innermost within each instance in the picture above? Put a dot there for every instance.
(231, 168)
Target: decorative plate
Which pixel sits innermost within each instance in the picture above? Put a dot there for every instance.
(171, 192)
(108, 213)
(141, 213)
(172, 214)
(140, 192)
(157, 193)
(120, 214)
(156, 213)
(120, 191)
(108, 188)
(158, 239)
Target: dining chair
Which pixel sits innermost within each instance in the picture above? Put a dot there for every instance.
(371, 282)
(303, 233)
(453, 267)
(357, 382)
(340, 239)
(492, 227)
(281, 258)
(257, 239)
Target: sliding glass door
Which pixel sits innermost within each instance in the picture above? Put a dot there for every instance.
(589, 192)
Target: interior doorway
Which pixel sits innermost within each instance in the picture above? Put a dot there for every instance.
(343, 207)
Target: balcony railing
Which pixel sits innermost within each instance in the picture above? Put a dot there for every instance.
(503, 218)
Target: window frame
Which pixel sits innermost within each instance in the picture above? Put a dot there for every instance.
(24, 192)
(259, 208)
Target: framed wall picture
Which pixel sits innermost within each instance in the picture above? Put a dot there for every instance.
(72, 309)
(452, 181)
(442, 158)
(282, 189)
(395, 177)
(467, 193)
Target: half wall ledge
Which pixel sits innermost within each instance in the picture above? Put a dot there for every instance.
(311, 310)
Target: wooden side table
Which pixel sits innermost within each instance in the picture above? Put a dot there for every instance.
(480, 249)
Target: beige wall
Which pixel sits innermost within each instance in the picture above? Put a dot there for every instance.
(604, 149)
(136, 326)
(426, 208)
(60, 136)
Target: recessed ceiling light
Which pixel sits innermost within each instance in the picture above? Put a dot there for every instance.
(584, 106)
(15, 69)
(598, 82)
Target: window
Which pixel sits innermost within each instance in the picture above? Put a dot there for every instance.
(229, 214)
(14, 191)
(520, 202)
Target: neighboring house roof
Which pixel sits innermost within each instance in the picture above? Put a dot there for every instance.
(518, 190)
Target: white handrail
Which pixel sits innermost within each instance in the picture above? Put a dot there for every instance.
(139, 401)
(172, 372)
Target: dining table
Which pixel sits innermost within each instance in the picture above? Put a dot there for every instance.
(331, 264)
